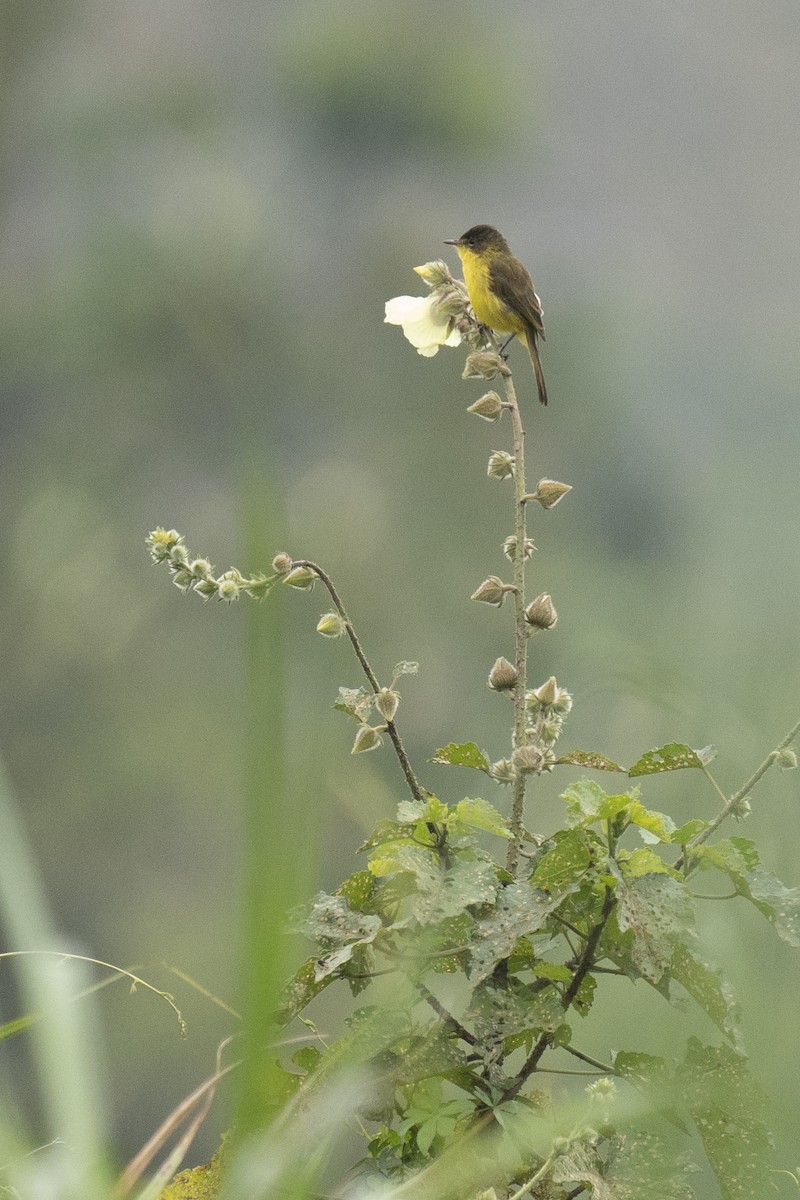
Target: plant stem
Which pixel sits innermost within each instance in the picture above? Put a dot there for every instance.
(520, 626)
(391, 728)
(743, 791)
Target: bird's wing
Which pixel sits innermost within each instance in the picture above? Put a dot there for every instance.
(512, 283)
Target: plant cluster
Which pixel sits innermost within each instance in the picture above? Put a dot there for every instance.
(477, 947)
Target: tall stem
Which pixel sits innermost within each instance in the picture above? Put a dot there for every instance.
(520, 626)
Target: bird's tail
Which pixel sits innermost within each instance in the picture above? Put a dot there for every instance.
(530, 341)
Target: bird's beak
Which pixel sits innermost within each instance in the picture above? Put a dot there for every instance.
(452, 241)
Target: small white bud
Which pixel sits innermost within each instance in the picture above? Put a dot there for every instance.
(282, 564)
(527, 758)
(787, 759)
(510, 548)
(501, 465)
(484, 364)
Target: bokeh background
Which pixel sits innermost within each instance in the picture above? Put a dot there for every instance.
(204, 208)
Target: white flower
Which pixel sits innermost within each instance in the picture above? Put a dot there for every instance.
(423, 325)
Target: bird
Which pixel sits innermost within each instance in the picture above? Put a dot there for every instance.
(501, 291)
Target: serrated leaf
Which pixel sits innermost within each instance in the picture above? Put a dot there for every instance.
(560, 869)
(724, 1103)
(446, 892)
(657, 909)
(358, 890)
(690, 830)
(330, 922)
(708, 989)
(634, 1164)
(356, 702)
(738, 858)
(651, 1075)
(385, 833)
(462, 754)
(480, 814)
(584, 799)
(675, 756)
(300, 991)
(657, 824)
(411, 812)
(590, 758)
(642, 861)
(405, 668)
(520, 909)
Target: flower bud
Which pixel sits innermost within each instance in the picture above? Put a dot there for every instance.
(787, 759)
(449, 301)
(484, 364)
(491, 591)
(178, 555)
(741, 809)
(541, 613)
(547, 693)
(160, 543)
(282, 563)
(367, 738)
(301, 577)
(549, 730)
(201, 569)
(331, 625)
(490, 407)
(503, 675)
(229, 586)
(549, 492)
(434, 273)
(510, 548)
(387, 702)
(527, 758)
(503, 772)
(501, 465)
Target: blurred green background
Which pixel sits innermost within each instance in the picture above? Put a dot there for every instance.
(204, 208)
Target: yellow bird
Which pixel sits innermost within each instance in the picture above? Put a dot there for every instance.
(501, 291)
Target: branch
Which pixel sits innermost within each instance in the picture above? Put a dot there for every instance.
(391, 728)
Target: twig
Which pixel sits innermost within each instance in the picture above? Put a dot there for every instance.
(391, 728)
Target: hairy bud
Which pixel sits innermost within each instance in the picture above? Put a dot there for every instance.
(510, 548)
(549, 492)
(490, 407)
(301, 577)
(491, 591)
(387, 702)
(229, 586)
(434, 273)
(786, 759)
(331, 625)
(484, 364)
(367, 738)
(526, 759)
(501, 465)
(161, 542)
(503, 675)
(282, 564)
(503, 771)
(541, 613)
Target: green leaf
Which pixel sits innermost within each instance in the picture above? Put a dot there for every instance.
(446, 892)
(359, 891)
(657, 909)
(405, 668)
(724, 1103)
(659, 825)
(330, 922)
(356, 702)
(672, 757)
(688, 831)
(480, 814)
(651, 1076)
(463, 754)
(584, 997)
(561, 868)
(584, 799)
(633, 1164)
(707, 988)
(411, 812)
(520, 909)
(642, 861)
(300, 991)
(590, 758)
(738, 858)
